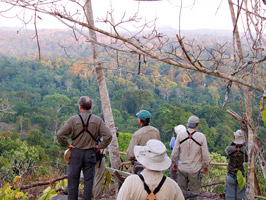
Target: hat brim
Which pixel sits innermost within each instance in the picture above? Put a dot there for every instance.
(67, 156)
(140, 155)
(192, 125)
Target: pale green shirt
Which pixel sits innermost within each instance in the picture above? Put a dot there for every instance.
(140, 138)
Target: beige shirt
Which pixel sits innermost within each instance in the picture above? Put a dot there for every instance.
(190, 155)
(73, 126)
(133, 187)
(140, 138)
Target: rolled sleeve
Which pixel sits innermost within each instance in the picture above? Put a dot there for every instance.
(106, 135)
(206, 159)
(64, 132)
(130, 150)
(175, 151)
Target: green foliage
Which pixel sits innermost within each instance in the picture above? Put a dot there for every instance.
(124, 140)
(264, 112)
(35, 137)
(216, 174)
(61, 184)
(19, 161)
(48, 194)
(6, 193)
(240, 180)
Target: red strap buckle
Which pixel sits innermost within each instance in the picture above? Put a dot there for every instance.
(85, 128)
(189, 136)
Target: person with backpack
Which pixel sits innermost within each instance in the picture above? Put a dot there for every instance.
(151, 183)
(192, 153)
(141, 137)
(84, 130)
(236, 151)
(177, 130)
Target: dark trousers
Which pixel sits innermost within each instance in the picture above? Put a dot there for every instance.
(81, 159)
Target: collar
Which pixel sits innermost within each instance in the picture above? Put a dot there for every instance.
(85, 111)
(190, 130)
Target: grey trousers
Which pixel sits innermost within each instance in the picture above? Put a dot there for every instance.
(189, 181)
(98, 187)
(232, 190)
(81, 159)
(173, 173)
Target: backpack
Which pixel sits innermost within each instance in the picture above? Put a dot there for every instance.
(152, 194)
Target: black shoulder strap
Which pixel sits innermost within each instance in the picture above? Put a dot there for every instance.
(85, 128)
(237, 149)
(157, 189)
(146, 187)
(190, 137)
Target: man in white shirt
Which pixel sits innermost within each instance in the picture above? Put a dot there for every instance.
(192, 153)
(151, 181)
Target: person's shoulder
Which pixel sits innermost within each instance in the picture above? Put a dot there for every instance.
(133, 178)
(171, 183)
(96, 118)
(152, 127)
(200, 134)
(74, 117)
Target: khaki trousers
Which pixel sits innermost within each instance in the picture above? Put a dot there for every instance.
(189, 182)
(98, 187)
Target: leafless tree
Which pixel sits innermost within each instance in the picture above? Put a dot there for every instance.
(248, 60)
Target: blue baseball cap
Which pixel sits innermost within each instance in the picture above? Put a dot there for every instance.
(143, 114)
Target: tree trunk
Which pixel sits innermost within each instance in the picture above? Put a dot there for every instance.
(105, 101)
(250, 192)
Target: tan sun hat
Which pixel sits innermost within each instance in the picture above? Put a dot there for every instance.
(153, 155)
(238, 137)
(67, 156)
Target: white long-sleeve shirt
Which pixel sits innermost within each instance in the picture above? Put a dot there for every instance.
(190, 155)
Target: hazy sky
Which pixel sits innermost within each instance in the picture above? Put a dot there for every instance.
(196, 14)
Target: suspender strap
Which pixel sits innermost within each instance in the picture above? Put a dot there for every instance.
(184, 140)
(160, 185)
(196, 141)
(190, 137)
(237, 149)
(146, 187)
(157, 189)
(85, 128)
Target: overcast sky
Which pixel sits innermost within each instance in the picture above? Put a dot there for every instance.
(196, 14)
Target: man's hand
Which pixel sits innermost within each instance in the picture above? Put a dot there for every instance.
(130, 169)
(71, 147)
(174, 166)
(97, 148)
(205, 170)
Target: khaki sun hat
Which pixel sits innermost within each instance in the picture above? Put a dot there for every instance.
(153, 155)
(239, 137)
(67, 156)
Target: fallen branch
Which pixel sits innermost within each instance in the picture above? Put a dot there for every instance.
(216, 183)
(23, 187)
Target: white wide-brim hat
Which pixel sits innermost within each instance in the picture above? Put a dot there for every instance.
(239, 137)
(67, 156)
(180, 128)
(153, 155)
